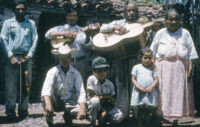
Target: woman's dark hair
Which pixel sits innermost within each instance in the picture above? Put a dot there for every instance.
(171, 12)
(126, 3)
(17, 2)
(142, 52)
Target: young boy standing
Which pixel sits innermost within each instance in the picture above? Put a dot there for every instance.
(101, 101)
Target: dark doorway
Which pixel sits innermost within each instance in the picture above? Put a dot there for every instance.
(43, 58)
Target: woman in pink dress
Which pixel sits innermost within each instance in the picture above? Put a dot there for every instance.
(174, 51)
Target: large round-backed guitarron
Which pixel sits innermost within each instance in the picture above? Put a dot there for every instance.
(116, 46)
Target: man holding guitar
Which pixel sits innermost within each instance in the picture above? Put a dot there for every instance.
(77, 38)
(120, 71)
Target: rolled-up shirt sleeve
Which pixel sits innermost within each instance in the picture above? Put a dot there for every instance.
(80, 91)
(48, 83)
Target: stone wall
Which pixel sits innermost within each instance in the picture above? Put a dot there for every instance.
(100, 10)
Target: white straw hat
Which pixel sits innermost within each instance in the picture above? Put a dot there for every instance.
(59, 41)
(63, 50)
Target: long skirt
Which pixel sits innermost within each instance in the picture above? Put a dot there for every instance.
(175, 91)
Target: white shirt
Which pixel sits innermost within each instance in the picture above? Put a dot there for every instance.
(79, 39)
(105, 89)
(69, 86)
(185, 49)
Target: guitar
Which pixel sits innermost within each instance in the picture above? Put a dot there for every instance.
(61, 40)
(115, 45)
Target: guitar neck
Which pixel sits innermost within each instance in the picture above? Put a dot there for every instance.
(84, 29)
(147, 25)
(89, 27)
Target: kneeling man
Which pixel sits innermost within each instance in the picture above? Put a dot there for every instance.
(63, 89)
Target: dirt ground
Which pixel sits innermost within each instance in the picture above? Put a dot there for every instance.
(36, 119)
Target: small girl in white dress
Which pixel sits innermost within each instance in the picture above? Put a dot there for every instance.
(144, 99)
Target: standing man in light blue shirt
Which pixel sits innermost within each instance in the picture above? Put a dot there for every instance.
(20, 37)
